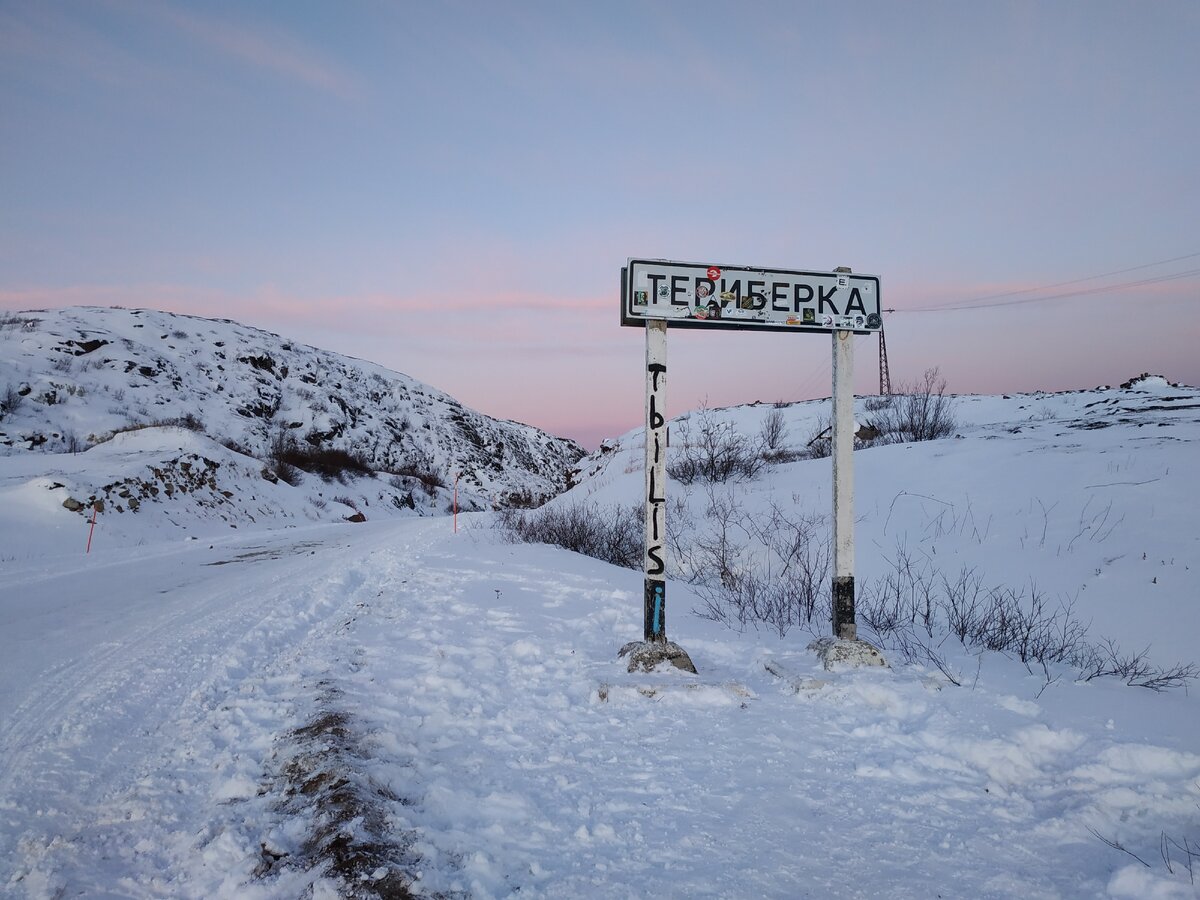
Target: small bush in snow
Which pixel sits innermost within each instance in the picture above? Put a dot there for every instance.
(877, 403)
(522, 499)
(774, 572)
(784, 584)
(429, 479)
(188, 421)
(1135, 669)
(918, 412)
(287, 455)
(712, 451)
(10, 401)
(419, 464)
(820, 441)
(609, 533)
(773, 431)
(772, 437)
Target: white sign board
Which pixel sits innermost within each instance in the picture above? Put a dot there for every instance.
(700, 295)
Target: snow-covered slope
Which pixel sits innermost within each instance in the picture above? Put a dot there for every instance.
(1089, 496)
(71, 378)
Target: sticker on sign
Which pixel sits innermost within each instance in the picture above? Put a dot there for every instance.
(703, 295)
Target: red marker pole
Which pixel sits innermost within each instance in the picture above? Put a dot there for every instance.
(456, 503)
(90, 530)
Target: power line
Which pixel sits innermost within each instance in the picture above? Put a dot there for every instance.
(1101, 289)
(821, 372)
(979, 301)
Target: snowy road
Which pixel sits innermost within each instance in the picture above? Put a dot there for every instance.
(151, 704)
(113, 671)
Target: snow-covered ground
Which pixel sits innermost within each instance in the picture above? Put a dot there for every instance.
(202, 718)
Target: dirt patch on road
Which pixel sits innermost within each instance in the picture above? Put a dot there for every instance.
(321, 778)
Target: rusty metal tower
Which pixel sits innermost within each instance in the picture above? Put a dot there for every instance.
(885, 376)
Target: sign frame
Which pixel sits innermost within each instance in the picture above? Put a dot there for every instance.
(704, 295)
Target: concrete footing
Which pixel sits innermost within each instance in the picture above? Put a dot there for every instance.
(837, 653)
(646, 655)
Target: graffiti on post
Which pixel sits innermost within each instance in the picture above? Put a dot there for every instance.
(656, 477)
(656, 473)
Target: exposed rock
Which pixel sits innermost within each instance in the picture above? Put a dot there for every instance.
(87, 346)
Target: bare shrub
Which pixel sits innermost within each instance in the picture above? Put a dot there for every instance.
(772, 437)
(913, 597)
(773, 431)
(10, 401)
(188, 421)
(419, 464)
(609, 533)
(918, 412)
(714, 452)
(774, 572)
(1135, 669)
(820, 440)
(280, 452)
(287, 455)
(525, 498)
(905, 597)
(18, 323)
(879, 402)
(785, 585)
(1184, 857)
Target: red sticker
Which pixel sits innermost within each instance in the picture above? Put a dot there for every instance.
(713, 272)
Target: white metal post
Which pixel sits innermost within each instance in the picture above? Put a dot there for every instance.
(654, 555)
(844, 626)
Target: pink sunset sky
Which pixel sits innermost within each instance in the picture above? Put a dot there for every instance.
(451, 189)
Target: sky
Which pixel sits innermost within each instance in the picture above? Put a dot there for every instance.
(451, 189)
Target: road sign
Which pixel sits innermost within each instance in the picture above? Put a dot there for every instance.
(703, 295)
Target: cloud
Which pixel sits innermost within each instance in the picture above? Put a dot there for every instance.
(270, 49)
(66, 42)
(513, 323)
(46, 38)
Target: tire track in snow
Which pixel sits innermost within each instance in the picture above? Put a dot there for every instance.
(84, 741)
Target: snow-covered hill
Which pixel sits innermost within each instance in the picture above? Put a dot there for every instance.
(72, 378)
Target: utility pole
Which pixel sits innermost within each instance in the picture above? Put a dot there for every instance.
(844, 627)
